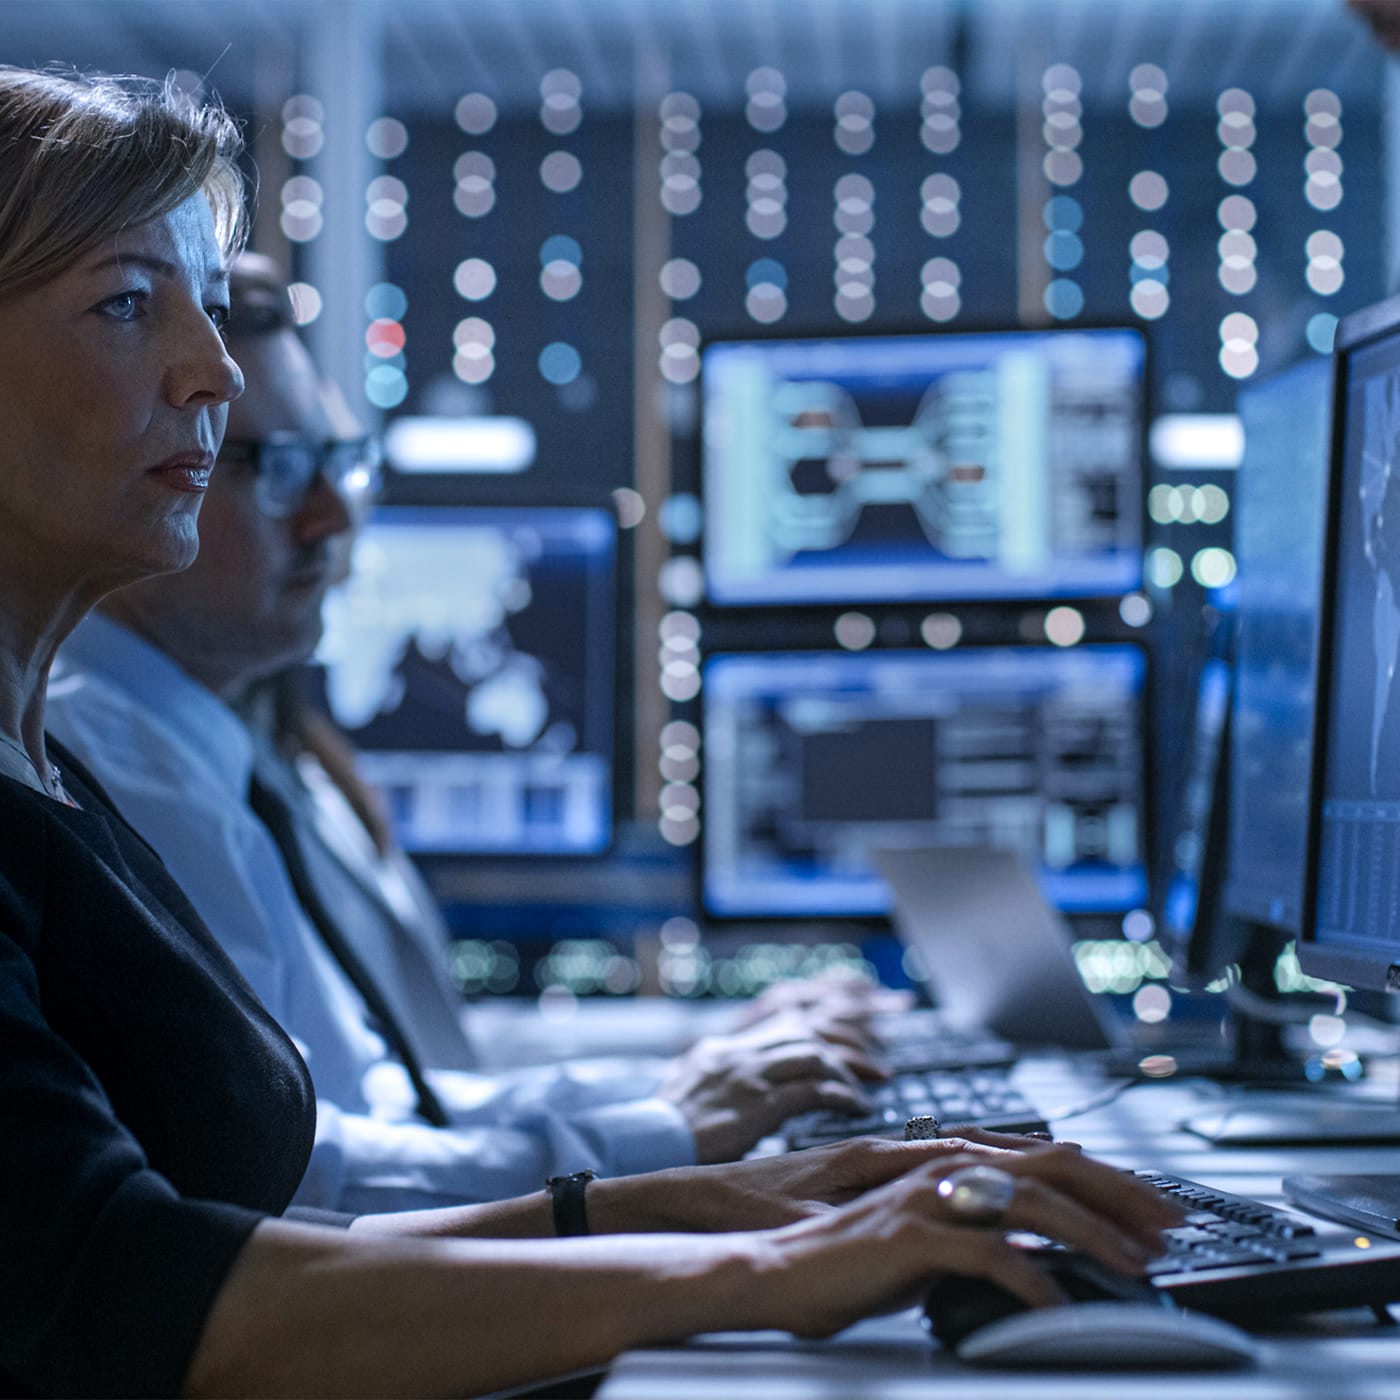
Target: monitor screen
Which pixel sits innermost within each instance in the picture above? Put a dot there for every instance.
(814, 759)
(1352, 933)
(470, 659)
(1280, 507)
(923, 467)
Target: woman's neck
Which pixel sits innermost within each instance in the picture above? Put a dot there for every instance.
(29, 642)
(23, 682)
(33, 624)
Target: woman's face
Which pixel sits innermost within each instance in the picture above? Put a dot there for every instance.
(114, 386)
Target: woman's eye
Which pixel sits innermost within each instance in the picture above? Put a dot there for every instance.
(219, 316)
(126, 306)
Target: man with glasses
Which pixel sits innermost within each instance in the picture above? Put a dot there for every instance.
(285, 464)
(150, 694)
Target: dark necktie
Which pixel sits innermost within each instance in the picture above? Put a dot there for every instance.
(280, 814)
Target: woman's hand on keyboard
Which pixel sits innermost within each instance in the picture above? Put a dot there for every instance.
(883, 1250)
(764, 1192)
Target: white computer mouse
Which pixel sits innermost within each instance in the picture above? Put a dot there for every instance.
(1108, 1335)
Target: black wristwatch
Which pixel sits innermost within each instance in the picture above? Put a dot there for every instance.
(570, 1215)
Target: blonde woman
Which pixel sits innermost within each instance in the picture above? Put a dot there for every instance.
(155, 1120)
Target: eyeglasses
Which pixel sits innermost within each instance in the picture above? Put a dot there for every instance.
(285, 467)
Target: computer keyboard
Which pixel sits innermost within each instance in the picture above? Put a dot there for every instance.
(921, 1039)
(982, 1098)
(1238, 1257)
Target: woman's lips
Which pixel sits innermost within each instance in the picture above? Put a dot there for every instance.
(189, 473)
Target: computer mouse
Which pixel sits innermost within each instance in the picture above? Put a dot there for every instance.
(1114, 1321)
(1109, 1335)
(956, 1306)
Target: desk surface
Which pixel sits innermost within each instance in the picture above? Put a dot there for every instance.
(1342, 1354)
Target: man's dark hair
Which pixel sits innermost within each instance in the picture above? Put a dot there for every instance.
(259, 300)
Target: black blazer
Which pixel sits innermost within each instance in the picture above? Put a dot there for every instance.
(151, 1112)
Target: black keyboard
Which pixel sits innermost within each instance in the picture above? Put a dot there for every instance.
(979, 1098)
(919, 1039)
(1238, 1257)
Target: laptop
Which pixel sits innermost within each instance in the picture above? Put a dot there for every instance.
(1003, 978)
(996, 957)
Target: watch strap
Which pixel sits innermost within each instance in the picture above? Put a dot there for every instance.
(567, 1192)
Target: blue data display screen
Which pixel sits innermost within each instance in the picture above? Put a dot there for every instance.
(813, 760)
(1358, 894)
(923, 467)
(470, 658)
(1280, 509)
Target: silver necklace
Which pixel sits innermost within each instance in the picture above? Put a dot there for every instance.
(54, 786)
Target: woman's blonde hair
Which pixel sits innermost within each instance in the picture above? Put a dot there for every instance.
(83, 156)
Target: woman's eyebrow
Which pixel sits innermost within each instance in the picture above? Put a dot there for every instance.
(161, 267)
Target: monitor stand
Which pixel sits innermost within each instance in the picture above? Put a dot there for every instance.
(1259, 1057)
(1255, 1054)
(1321, 1116)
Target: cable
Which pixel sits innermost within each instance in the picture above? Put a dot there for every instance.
(1100, 1100)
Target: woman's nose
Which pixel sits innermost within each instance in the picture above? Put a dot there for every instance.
(202, 373)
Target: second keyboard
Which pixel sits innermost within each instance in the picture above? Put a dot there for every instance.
(975, 1098)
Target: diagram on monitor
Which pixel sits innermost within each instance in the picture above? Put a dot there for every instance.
(923, 467)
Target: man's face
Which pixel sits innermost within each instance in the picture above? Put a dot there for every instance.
(250, 604)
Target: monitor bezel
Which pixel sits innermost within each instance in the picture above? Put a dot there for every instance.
(1336, 961)
(1202, 951)
(777, 334)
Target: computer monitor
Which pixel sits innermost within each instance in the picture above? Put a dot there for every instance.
(1279, 514)
(815, 759)
(1351, 926)
(1351, 906)
(1202, 937)
(470, 658)
(923, 467)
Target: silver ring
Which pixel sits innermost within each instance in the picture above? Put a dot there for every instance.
(920, 1127)
(978, 1195)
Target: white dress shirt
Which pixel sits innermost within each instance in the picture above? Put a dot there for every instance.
(176, 761)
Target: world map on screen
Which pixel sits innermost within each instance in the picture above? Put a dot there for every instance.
(441, 598)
